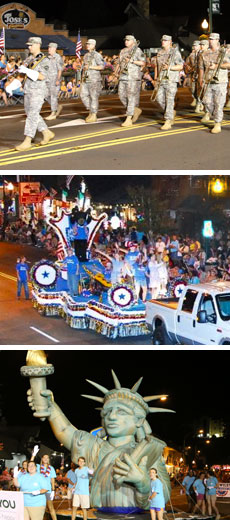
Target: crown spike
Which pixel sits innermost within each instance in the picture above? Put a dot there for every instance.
(94, 398)
(99, 387)
(137, 384)
(153, 397)
(116, 381)
(156, 410)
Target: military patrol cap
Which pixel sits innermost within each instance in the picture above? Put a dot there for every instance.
(196, 42)
(166, 37)
(214, 36)
(52, 44)
(204, 42)
(34, 39)
(130, 37)
(92, 41)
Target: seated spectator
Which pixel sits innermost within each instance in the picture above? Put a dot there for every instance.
(13, 86)
(69, 89)
(3, 96)
(3, 62)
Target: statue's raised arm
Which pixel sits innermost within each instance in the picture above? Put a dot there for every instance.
(41, 399)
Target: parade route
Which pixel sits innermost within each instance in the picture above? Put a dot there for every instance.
(26, 326)
(106, 145)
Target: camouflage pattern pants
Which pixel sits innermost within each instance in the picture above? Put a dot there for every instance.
(214, 100)
(52, 96)
(129, 94)
(33, 102)
(166, 98)
(89, 94)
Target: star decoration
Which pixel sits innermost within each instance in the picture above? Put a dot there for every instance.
(45, 274)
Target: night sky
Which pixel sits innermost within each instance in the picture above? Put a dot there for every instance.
(110, 12)
(196, 382)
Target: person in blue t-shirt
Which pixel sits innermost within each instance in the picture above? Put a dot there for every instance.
(73, 277)
(22, 269)
(34, 487)
(157, 501)
(81, 489)
(211, 485)
(187, 484)
(71, 479)
(199, 488)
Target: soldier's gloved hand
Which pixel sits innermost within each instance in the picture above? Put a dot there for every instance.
(36, 492)
(52, 495)
(32, 74)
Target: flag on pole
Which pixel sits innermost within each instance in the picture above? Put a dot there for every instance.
(78, 45)
(69, 179)
(2, 41)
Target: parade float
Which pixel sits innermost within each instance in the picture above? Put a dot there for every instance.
(111, 310)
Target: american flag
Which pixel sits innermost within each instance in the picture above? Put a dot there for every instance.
(60, 252)
(2, 41)
(78, 45)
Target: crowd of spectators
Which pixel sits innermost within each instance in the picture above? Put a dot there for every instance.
(11, 82)
(163, 259)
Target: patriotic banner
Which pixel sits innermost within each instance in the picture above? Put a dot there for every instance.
(78, 45)
(60, 252)
(2, 41)
(11, 505)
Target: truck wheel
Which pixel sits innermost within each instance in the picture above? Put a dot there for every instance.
(160, 336)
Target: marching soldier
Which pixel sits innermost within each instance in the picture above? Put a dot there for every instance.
(191, 68)
(213, 74)
(54, 80)
(169, 63)
(131, 62)
(91, 81)
(35, 92)
(204, 45)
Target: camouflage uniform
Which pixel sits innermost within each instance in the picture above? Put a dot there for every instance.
(215, 95)
(192, 61)
(55, 65)
(130, 80)
(91, 83)
(35, 94)
(168, 87)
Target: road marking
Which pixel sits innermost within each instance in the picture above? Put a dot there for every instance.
(76, 122)
(12, 278)
(100, 144)
(44, 334)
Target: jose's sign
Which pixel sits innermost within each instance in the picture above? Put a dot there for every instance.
(15, 19)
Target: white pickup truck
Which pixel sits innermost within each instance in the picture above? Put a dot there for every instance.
(201, 316)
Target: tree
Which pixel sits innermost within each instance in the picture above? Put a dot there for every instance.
(147, 203)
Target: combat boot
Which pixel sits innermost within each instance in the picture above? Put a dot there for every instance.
(206, 118)
(47, 136)
(59, 109)
(193, 104)
(26, 145)
(199, 107)
(216, 129)
(53, 115)
(128, 121)
(136, 115)
(167, 125)
(92, 118)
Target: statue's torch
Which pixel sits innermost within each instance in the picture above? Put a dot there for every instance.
(37, 369)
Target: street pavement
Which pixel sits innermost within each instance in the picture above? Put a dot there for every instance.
(21, 324)
(179, 503)
(106, 145)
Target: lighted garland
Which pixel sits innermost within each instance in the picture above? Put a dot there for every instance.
(46, 279)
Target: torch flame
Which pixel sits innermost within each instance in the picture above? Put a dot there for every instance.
(36, 358)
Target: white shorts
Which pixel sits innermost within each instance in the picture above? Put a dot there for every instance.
(81, 501)
(69, 493)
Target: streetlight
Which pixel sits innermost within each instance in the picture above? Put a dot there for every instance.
(204, 24)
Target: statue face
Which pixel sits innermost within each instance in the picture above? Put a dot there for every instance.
(119, 419)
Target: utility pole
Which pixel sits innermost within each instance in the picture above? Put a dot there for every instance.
(210, 16)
